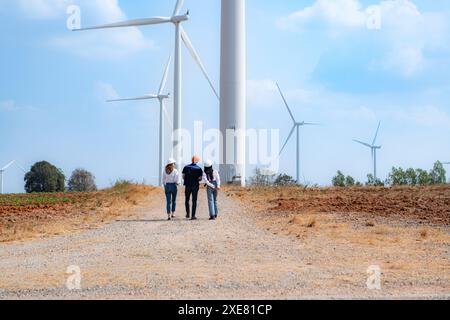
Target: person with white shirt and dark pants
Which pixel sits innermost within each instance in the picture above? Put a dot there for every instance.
(211, 178)
(171, 179)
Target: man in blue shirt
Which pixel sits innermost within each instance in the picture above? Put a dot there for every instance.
(192, 175)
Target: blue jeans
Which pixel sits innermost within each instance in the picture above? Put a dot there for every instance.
(171, 197)
(212, 200)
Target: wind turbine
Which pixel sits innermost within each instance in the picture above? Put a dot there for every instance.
(180, 34)
(162, 110)
(2, 170)
(373, 149)
(296, 127)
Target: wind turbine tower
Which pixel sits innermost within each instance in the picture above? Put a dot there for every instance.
(233, 91)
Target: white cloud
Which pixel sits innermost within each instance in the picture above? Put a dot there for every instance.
(105, 91)
(262, 93)
(12, 106)
(429, 116)
(53, 9)
(7, 105)
(406, 33)
(43, 9)
(109, 44)
(91, 44)
(334, 12)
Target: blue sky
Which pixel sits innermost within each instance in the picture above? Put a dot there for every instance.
(333, 69)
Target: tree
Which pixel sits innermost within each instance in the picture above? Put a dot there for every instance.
(349, 181)
(284, 180)
(397, 177)
(411, 177)
(44, 177)
(339, 180)
(438, 174)
(423, 178)
(371, 181)
(82, 181)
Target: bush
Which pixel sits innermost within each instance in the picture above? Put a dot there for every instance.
(372, 182)
(82, 181)
(44, 177)
(411, 177)
(262, 178)
(349, 181)
(284, 180)
(339, 180)
(397, 177)
(422, 177)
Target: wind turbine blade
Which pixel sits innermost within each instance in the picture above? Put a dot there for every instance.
(285, 102)
(164, 79)
(196, 57)
(8, 165)
(178, 6)
(376, 134)
(20, 167)
(287, 140)
(310, 124)
(363, 143)
(446, 163)
(129, 23)
(147, 97)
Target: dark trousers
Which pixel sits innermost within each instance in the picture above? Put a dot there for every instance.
(194, 192)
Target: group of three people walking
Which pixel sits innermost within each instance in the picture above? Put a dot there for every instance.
(193, 176)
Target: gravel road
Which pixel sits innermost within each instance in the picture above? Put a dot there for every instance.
(151, 258)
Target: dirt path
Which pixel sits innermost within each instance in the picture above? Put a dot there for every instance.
(149, 257)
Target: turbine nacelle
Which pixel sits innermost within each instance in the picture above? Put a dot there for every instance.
(179, 19)
(164, 96)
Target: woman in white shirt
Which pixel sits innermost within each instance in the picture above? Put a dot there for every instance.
(211, 178)
(171, 179)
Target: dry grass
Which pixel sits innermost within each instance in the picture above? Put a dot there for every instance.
(406, 231)
(20, 220)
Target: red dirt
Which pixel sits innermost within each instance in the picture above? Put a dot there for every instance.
(25, 213)
(429, 205)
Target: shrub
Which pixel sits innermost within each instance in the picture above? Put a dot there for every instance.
(372, 182)
(284, 180)
(262, 178)
(339, 180)
(349, 181)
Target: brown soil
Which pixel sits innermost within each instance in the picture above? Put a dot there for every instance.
(27, 216)
(422, 205)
